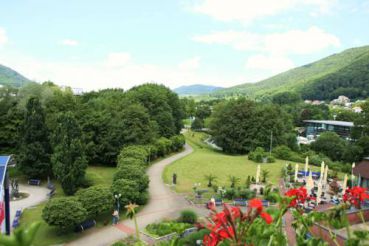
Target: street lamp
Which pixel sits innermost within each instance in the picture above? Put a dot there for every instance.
(352, 174)
(117, 196)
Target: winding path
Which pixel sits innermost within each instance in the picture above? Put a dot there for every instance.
(163, 204)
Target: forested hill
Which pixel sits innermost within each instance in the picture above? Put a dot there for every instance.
(343, 73)
(9, 77)
(196, 89)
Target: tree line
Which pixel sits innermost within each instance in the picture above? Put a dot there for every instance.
(55, 133)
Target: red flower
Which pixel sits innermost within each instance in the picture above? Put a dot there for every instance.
(268, 219)
(236, 212)
(300, 195)
(257, 204)
(355, 196)
(210, 240)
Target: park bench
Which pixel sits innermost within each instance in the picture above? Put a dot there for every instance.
(265, 203)
(240, 202)
(218, 202)
(34, 182)
(15, 222)
(18, 213)
(188, 232)
(85, 225)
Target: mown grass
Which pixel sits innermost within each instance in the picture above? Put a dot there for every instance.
(205, 160)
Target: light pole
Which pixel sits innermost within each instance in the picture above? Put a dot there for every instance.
(117, 197)
(352, 174)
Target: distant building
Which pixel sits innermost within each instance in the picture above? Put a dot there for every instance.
(361, 171)
(341, 100)
(316, 127)
(75, 91)
(357, 110)
(307, 101)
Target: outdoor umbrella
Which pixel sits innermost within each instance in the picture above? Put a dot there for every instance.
(344, 184)
(296, 171)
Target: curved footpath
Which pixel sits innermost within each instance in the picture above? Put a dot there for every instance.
(163, 204)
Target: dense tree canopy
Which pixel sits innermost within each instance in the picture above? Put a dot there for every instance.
(239, 126)
(68, 160)
(34, 145)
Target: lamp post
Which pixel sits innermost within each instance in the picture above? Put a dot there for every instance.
(117, 196)
(352, 175)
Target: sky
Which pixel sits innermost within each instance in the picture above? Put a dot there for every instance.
(94, 44)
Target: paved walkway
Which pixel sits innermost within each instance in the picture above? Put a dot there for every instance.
(37, 194)
(290, 231)
(163, 204)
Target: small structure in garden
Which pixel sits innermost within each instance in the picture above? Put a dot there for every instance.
(361, 172)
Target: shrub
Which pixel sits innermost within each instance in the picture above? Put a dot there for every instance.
(197, 124)
(96, 199)
(135, 173)
(130, 161)
(64, 212)
(134, 151)
(165, 228)
(230, 194)
(129, 191)
(177, 142)
(164, 146)
(259, 154)
(282, 152)
(246, 194)
(193, 237)
(188, 216)
(152, 150)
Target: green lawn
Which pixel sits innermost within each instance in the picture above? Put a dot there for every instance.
(48, 235)
(205, 160)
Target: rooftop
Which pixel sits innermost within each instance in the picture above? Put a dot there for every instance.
(362, 169)
(331, 122)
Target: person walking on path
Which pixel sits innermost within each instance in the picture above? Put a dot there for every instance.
(115, 217)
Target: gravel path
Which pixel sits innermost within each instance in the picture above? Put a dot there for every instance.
(37, 194)
(163, 204)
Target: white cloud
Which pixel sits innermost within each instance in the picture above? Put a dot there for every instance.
(270, 64)
(300, 42)
(69, 42)
(246, 11)
(190, 64)
(291, 42)
(118, 59)
(125, 73)
(3, 37)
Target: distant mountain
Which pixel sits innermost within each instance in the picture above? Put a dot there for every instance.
(345, 73)
(196, 89)
(9, 77)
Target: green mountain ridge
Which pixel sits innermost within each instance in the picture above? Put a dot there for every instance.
(9, 77)
(345, 72)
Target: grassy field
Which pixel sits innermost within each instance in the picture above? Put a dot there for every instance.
(48, 235)
(205, 160)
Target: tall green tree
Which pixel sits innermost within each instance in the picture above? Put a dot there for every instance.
(34, 146)
(10, 120)
(239, 126)
(68, 160)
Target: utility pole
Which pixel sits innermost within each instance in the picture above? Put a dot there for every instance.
(271, 143)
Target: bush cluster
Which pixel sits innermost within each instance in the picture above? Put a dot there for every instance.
(259, 154)
(167, 227)
(130, 179)
(232, 193)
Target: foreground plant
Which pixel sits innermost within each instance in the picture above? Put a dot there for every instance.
(258, 226)
(233, 227)
(21, 236)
